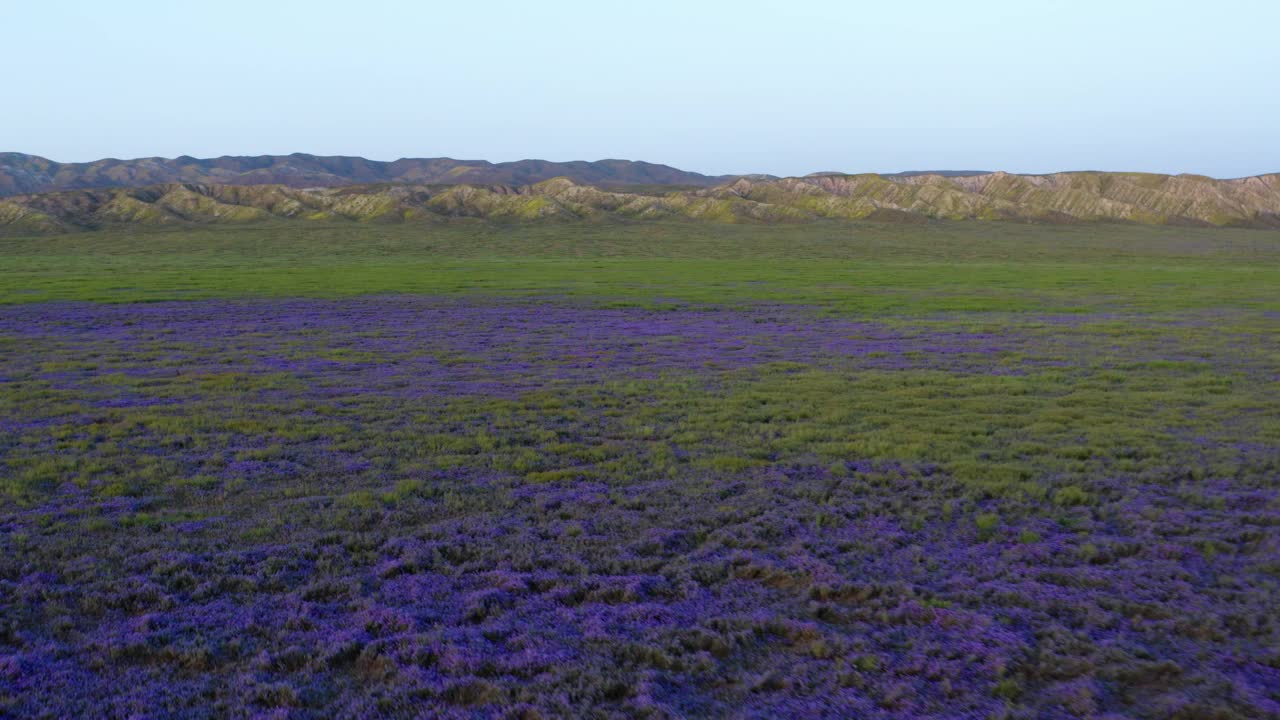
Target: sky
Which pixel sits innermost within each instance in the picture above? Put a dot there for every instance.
(786, 87)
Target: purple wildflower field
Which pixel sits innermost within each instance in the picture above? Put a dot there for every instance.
(407, 506)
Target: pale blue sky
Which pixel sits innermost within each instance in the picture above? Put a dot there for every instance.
(714, 86)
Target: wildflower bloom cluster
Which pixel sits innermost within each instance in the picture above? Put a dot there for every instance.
(424, 507)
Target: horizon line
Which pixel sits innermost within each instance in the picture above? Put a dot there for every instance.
(939, 171)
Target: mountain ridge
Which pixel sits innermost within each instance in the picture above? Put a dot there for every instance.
(1075, 197)
(24, 174)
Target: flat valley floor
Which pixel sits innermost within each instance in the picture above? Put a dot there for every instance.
(966, 470)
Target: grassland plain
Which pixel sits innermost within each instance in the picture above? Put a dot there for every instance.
(664, 470)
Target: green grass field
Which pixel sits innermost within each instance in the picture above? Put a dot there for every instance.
(908, 269)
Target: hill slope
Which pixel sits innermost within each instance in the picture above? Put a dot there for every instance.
(1058, 198)
(20, 174)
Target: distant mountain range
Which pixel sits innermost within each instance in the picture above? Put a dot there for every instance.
(319, 190)
(21, 174)
(943, 173)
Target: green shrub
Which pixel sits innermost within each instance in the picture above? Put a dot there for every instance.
(987, 524)
(1070, 496)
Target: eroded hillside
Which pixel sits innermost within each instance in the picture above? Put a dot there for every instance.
(1057, 198)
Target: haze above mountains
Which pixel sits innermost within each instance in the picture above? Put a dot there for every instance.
(42, 196)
